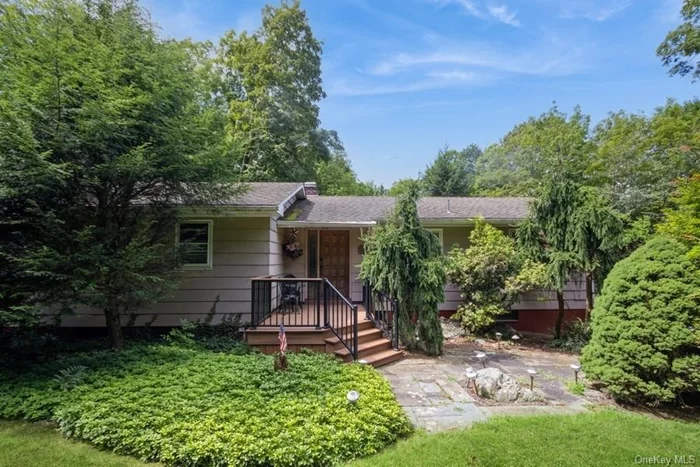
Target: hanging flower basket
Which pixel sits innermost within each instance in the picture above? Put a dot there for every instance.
(292, 248)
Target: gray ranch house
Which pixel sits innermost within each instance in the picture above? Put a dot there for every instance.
(282, 254)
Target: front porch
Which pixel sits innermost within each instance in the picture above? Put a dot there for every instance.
(316, 316)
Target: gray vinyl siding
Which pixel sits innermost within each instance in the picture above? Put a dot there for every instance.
(244, 247)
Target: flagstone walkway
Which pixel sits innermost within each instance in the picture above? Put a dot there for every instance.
(432, 390)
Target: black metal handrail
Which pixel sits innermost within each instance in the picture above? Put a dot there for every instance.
(304, 302)
(340, 316)
(292, 302)
(384, 311)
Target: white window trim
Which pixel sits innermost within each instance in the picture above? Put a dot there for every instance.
(210, 244)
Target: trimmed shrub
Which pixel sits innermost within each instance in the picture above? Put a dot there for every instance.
(645, 345)
(184, 406)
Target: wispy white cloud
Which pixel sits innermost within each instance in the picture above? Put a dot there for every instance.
(551, 58)
(501, 13)
(594, 10)
(422, 82)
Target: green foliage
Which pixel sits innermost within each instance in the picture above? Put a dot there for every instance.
(490, 274)
(576, 388)
(575, 336)
(119, 119)
(645, 345)
(527, 156)
(272, 80)
(225, 336)
(70, 377)
(404, 260)
(638, 157)
(571, 229)
(191, 407)
(402, 186)
(683, 221)
(681, 46)
(452, 172)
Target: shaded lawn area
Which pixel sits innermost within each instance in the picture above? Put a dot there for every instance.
(604, 438)
(30, 445)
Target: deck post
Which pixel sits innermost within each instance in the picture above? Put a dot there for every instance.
(252, 304)
(355, 331)
(325, 304)
(318, 305)
(396, 325)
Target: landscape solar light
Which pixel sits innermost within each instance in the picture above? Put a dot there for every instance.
(532, 372)
(482, 358)
(576, 367)
(352, 396)
(515, 338)
(471, 375)
(498, 339)
(362, 362)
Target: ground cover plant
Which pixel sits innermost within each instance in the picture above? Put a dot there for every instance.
(602, 439)
(190, 406)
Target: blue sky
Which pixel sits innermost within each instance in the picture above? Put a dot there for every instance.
(406, 77)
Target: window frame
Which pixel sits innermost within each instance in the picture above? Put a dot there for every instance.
(210, 244)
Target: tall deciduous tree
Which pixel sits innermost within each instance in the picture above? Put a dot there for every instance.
(273, 84)
(638, 157)
(535, 151)
(681, 48)
(452, 172)
(405, 260)
(571, 229)
(683, 220)
(118, 127)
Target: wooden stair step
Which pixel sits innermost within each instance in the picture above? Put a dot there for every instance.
(384, 358)
(365, 349)
(362, 336)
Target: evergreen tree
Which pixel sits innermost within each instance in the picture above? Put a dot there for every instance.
(118, 127)
(452, 172)
(571, 229)
(405, 260)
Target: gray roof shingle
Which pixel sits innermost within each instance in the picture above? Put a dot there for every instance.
(365, 209)
(265, 194)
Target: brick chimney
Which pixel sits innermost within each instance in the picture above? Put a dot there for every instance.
(310, 188)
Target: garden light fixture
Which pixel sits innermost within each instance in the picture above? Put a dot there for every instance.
(482, 357)
(352, 396)
(498, 339)
(532, 372)
(576, 367)
(471, 375)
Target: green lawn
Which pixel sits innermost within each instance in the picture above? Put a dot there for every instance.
(31, 445)
(595, 439)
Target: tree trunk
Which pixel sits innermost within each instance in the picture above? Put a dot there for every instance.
(560, 315)
(114, 328)
(589, 295)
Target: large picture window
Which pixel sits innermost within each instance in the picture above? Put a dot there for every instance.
(195, 239)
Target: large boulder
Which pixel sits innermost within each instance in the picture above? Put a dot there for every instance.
(492, 383)
(488, 381)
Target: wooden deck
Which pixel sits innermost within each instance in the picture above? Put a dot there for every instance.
(302, 333)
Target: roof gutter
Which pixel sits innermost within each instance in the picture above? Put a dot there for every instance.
(324, 225)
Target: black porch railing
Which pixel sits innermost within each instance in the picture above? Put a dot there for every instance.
(341, 317)
(304, 302)
(384, 311)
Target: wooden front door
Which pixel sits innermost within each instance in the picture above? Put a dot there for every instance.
(335, 259)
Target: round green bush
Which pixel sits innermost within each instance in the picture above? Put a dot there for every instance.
(645, 346)
(193, 407)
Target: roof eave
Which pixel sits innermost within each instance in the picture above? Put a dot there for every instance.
(324, 225)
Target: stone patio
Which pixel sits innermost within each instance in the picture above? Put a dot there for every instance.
(433, 390)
